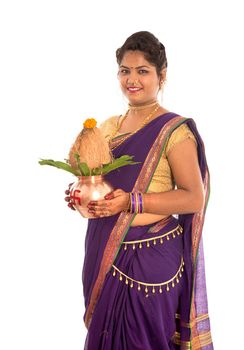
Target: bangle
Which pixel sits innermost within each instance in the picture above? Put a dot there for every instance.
(133, 203)
(140, 202)
(136, 203)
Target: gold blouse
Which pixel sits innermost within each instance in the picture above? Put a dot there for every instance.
(162, 179)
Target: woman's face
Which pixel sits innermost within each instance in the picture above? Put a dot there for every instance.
(138, 78)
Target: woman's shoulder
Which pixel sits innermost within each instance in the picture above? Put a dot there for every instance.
(179, 134)
(182, 129)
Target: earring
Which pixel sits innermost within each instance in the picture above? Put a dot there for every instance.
(162, 82)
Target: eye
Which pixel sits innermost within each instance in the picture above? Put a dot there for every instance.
(143, 71)
(124, 71)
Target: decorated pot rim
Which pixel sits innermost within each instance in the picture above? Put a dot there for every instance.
(91, 178)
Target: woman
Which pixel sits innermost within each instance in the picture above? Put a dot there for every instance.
(143, 273)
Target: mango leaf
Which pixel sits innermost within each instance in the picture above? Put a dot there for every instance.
(59, 165)
(83, 167)
(84, 170)
(118, 162)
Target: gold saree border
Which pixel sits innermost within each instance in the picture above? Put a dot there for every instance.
(198, 319)
(196, 343)
(197, 226)
(124, 220)
(198, 219)
(120, 229)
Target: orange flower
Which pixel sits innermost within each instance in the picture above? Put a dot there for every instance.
(90, 123)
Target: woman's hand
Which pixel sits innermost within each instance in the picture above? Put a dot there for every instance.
(68, 199)
(114, 202)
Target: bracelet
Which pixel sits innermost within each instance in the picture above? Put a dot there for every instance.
(136, 203)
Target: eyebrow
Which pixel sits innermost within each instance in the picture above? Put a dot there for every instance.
(135, 67)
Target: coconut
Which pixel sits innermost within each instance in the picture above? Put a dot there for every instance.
(91, 146)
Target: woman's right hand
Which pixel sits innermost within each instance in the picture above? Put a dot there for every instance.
(68, 199)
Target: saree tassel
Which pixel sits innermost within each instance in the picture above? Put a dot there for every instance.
(120, 278)
(154, 242)
(153, 290)
(168, 238)
(125, 247)
(148, 244)
(139, 287)
(114, 273)
(167, 288)
(173, 235)
(161, 240)
(131, 285)
(140, 245)
(134, 246)
(160, 290)
(126, 281)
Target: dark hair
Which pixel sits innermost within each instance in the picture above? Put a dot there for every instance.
(146, 42)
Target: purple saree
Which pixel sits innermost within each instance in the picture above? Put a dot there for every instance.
(144, 286)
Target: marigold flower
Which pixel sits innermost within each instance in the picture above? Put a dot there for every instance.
(90, 123)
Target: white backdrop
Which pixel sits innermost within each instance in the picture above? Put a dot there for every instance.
(57, 69)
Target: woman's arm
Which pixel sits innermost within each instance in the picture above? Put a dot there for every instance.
(189, 195)
(187, 198)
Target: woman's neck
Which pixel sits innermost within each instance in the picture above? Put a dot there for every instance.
(142, 106)
(139, 111)
(138, 117)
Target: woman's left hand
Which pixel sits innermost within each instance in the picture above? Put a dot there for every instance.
(114, 202)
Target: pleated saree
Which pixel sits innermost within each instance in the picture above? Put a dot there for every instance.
(144, 286)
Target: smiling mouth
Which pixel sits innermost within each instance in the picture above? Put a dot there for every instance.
(134, 89)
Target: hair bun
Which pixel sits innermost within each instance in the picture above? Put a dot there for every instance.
(162, 47)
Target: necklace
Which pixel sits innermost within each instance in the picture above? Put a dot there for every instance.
(123, 138)
(139, 108)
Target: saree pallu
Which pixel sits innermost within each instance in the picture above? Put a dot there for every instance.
(144, 286)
